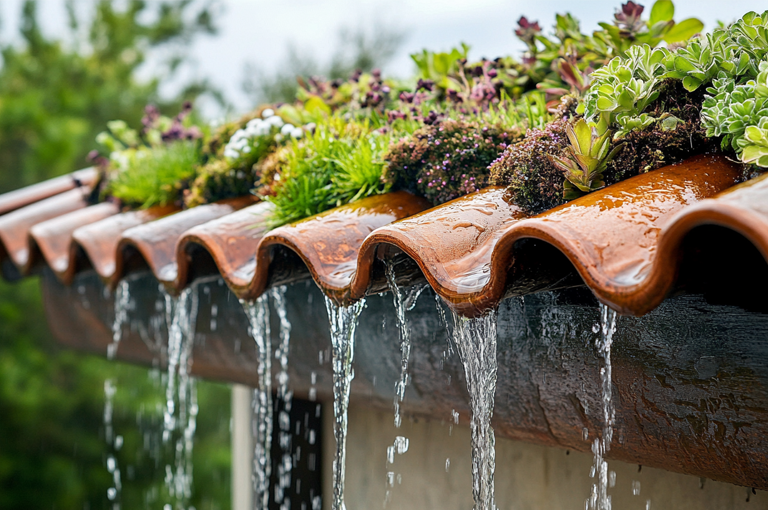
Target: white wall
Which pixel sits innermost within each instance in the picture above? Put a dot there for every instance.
(527, 477)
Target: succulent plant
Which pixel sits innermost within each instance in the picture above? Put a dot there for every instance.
(584, 160)
(623, 89)
(755, 145)
(732, 108)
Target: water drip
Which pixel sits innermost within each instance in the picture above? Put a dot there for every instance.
(180, 414)
(258, 317)
(113, 444)
(475, 341)
(122, 306)
(285, 466)
(599, 498)
(343, 321)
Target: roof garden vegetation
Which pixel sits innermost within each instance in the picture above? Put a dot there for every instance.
(574, 113)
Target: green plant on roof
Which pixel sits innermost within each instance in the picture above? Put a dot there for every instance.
(755, 145)
(629, 29)
(152, 166)
(622, 90)
(584, 159)
(339, 163)
(733, 109)
(439, 66)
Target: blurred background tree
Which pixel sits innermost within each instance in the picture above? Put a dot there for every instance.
(355, 49)
(55, 96)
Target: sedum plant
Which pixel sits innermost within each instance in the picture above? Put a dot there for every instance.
(755, 145)
(584, 160)
(622, 90)
(733, 109)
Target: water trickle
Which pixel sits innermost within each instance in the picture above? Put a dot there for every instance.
(343, 321)
(180, 413)
(122, 306)
(599, 498)
(284, 468)
(113, 444)
(475, 341)
(258, 317)
(403, 302)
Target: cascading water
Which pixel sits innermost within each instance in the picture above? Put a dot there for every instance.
(282, 491)
(343, 321)
(403, 302)
(258, 317)
(180, 414)
(122, 307)
(475, 341)
(599, 498)
(114, 443)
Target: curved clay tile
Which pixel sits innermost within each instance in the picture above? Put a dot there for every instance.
(100, 239)
(54, 237)
(155, 242)
(232, 242)
(15, 226)
(329, 242)
(610, 236)
(23, 197)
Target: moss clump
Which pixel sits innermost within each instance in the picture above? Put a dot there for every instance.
(534, 182)
(447, 159)
(675, 136)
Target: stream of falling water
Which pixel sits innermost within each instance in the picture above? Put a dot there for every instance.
(599, 498)
(258, 317)
(475, 341)
(180, 413)
(113, 443)
(122, 307)
(343, 321)
(284, 468)
(403, 301)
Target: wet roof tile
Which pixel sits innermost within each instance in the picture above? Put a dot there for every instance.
(622, 241)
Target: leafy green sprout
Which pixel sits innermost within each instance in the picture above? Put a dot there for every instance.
(585, 159)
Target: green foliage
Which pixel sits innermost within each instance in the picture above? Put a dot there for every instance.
(56, 97)
(584, 160)
(339, 163)
(440, 66)
(623, 89)
(149, 176)
(52, 447)
(755, 145)
(733, 109)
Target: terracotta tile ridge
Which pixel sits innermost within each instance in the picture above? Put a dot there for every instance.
(98, 241)
(154, 243)
(53, 237)
(17, 199)
(232, 242)
(15, 240)
(329, 243)
(610, 236)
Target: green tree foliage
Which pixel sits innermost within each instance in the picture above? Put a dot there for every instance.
(55, 97)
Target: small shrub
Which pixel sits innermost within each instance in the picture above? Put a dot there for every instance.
(446, 160)
(534, 182)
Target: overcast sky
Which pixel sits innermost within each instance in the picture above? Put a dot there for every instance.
(259, 31)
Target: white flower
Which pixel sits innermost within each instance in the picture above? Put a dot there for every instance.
(275, 121)
(297, 133)
(269, 112)
(310, 127)
(287, 129)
